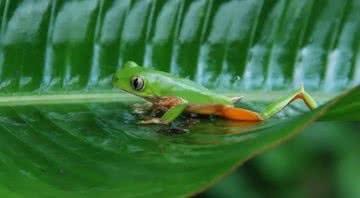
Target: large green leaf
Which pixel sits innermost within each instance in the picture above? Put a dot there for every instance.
(98, 150)
(66, 133)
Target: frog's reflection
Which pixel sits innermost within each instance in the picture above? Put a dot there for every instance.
(229, 126)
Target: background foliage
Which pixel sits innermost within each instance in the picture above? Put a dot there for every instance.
(322, 161)
(241, 45)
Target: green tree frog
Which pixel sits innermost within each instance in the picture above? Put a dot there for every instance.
(175, 95)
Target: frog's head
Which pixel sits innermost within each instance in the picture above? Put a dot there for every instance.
(131, 78)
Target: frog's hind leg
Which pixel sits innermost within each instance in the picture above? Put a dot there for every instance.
(225, 111)
(283, 102)
(235, 113)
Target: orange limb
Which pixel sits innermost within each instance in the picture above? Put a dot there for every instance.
(234, 113)
(225, 111)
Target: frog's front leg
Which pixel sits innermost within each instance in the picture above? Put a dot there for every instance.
(174, 105)
(168, 117)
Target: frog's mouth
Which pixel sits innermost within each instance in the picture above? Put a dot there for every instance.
(114, 85)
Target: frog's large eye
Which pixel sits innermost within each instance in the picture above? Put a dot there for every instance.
(137, 83)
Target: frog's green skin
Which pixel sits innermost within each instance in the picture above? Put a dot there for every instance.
(175, 95)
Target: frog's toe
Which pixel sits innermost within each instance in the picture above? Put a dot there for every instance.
(237, 99)
(139, 111)
(153, 121)
(146, 106)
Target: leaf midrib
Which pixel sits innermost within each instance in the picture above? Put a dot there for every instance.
(115, 96)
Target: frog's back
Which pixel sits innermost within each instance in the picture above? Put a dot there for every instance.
(170, 85)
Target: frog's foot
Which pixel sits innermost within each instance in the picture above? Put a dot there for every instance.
(147, 106)
(142, 108)
(139, 111)
(237, 99)
(154, 121)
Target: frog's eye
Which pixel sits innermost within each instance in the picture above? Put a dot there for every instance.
(137, 83)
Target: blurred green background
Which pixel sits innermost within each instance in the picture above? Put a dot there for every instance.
(322, 161)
